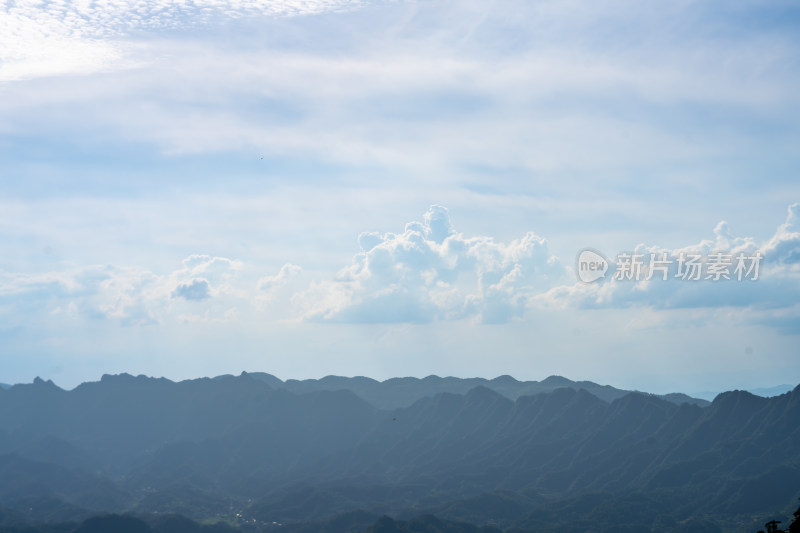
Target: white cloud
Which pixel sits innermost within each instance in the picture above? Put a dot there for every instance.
(271, 288)
(196, 289)
(784, 247)
(46, 38)
(217, 269)
(538, 106)
(271, 283)
(94, 292)
(129, 295)
(205, 276)
(430, 272)
(773, 295)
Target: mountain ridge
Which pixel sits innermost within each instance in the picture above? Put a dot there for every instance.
(237, 446)
(403, 391)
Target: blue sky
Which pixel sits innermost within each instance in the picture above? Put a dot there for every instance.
(396, 188)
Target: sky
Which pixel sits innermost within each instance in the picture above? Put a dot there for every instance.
(401, 188)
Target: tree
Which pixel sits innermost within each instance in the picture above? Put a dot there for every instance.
(794, 527)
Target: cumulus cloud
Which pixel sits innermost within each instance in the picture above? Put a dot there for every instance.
(270, 288)
(127, 294)
(769, 287)
(784, 247)
(203, 276)
(92, 292)
(286, 274)
(130, 295)
(427, 272)
(197, 289)
(431, 272)
(217, 267)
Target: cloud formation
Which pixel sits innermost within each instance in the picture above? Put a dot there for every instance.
(93, 292)
(784, 247)
(197, 289)
(431, 272)
(428, 272)
(50, 37)
(130, 295)
(768, 291)
(287, 272)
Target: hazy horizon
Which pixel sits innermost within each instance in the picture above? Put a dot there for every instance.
(765, 391)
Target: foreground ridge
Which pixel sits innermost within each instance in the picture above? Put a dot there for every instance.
(252, 451)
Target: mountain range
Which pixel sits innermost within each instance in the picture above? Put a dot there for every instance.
(402, 392)
(354, 454)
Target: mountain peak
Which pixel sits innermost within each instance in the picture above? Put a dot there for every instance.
(264, 377)
(724, 396)
(39, 386)
(481, 392)
(557, 381)
(112, 378)
(737, 399)
(505, 379)
(39, 382)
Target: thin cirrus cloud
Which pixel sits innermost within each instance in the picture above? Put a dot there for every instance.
(429, 80)
(47, 38)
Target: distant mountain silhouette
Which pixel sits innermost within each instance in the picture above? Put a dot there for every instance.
(402, 392)
(768, 392)
(249, 451)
